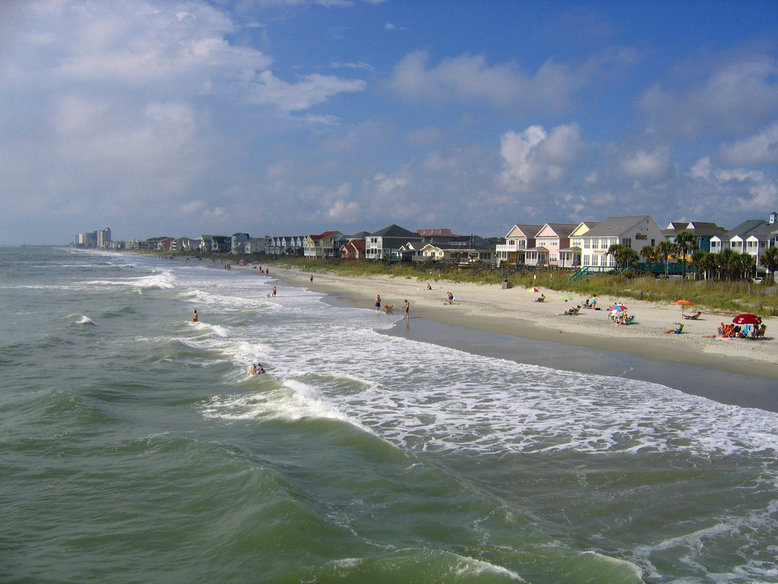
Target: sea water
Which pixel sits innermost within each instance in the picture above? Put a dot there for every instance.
(135, 446)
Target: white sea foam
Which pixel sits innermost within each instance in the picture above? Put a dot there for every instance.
(83, 319)
(433, 398)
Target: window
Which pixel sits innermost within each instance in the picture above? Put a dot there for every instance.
(627, 242)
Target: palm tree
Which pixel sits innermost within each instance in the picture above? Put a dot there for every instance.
(648, 253)
(629, 257)
(701, 261)
(769, 259)
(665, 249)
(747, 265)
(728, 263)
(615, 250)
(685, 242)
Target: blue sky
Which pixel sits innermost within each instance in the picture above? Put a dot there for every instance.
(293, 116)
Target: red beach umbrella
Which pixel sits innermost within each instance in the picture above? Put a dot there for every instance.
(683, 303)
(747, 318)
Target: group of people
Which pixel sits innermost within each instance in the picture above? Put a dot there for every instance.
(733, 331)
(256, 369)
(622, 317)
(389, 308)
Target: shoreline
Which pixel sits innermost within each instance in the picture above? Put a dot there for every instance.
(734, 371)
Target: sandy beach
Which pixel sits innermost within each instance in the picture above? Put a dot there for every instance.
(513, 312)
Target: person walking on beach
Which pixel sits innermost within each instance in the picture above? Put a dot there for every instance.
(378, 302)
(194, 318)
(407, 307)
(311, 278)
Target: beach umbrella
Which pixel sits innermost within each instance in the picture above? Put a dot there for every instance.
(683, 303)
(747, 318)
(532, 290)
(618, 306)
(565, 297)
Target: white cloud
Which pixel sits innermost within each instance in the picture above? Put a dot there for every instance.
(310, 90)
(469, 79)
(759, 149)
(735, 189)
(648, 166)
(732, 96)
(536, 158)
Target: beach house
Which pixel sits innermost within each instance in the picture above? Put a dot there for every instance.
(386, 243)
(634, 232)
(701, 230)
(549, 240)
(752, 237)
(462, 250)
(520, 238)
(570, 257)
(323, 245)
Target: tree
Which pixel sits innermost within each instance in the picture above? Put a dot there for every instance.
(702, 261)
(685, 242)
(629, 257)
(615, 250)
(728, 263)
(747, 266)
(769, 259)
(648, 253)
(665, 249)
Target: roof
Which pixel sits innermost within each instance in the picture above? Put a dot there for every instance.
(527, 229)
(561, 229)
(694, 227)
(394, 231)
(744, 229)
(357, 244)
(433, 232)
(324, 235)
(765, 231)
(615, 225)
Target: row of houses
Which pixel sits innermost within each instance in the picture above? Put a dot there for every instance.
(563, 245)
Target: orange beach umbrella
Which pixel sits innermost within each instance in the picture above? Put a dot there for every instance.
(683, 303)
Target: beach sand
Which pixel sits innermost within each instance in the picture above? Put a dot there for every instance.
(512, 325)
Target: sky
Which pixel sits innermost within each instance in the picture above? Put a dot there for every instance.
(289, 117)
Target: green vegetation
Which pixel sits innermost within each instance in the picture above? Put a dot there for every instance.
(706, 294)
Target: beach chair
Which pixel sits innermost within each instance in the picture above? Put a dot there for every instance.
(693, 316)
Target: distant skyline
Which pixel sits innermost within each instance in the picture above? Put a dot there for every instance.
(292, 116)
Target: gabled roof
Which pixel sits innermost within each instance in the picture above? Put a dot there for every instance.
(357, 244)
(744, 229)
(582, 228)
(324, 235)
(394, 231)
(765, 231)
(560, 229)
(615, 226)
(526, 229)
(359, 235)
(694, 227)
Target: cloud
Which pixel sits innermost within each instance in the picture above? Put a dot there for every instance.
(469, 79)
(758, 149)
(536, 158)
(648, 166)
(310, 90)
(732, 95)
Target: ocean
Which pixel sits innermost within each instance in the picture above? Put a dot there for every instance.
(135, 446)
